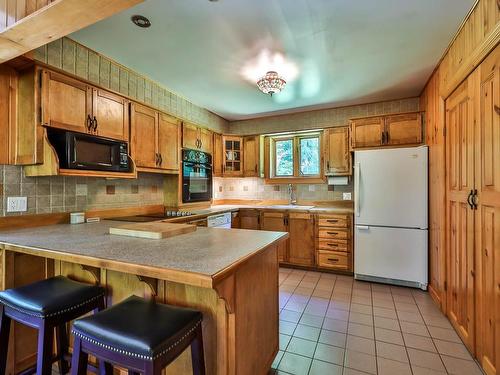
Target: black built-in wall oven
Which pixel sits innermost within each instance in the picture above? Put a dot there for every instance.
(196, 176)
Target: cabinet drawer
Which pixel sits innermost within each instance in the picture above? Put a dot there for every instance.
(331, 259)
(338, 221)
(333, 233)
(333, 245)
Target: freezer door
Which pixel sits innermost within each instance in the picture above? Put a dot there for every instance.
(391, 187)
(391, 253)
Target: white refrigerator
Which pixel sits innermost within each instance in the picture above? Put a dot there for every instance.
(390, 216)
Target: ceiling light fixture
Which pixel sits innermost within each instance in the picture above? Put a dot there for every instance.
(140, 21)
(271, 83)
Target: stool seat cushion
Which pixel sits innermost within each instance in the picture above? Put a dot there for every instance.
(51, 297)
(139, 328)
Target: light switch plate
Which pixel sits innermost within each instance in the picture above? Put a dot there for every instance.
(347, 196)
(17, 204)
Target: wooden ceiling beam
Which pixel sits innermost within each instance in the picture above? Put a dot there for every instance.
(58, 19)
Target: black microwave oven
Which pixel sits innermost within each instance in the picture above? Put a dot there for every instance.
(89, 152)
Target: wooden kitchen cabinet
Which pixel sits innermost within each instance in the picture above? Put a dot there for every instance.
(233, 156)
(277, 222)
(337, 153)
(8, 113)
(110, 115)
(403, 129)
(196, 138)
(155, 139)
(217, 156)
(251, 156)
(334, 242)
(249, 219)
(66, 103)
(367, 132)
(301, 248)
(70, 104)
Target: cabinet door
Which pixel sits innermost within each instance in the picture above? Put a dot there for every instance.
(250, 219)
(144, 136)
(487, 229)
(251, 156)
(218, 158)
(404, 129)
(367, 132)
(66, 102)
(337, 153)
(233, 163)
(460, 221)
(301, 228)
(206, 137)
(110, 114)
(190, 135)
(168, 142)
(276, 222)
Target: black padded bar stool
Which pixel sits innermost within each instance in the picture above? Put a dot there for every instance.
(141, 336)
(47, 305)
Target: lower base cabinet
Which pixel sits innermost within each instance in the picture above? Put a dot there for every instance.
(277, 221)
(334, 242)
(301, 249)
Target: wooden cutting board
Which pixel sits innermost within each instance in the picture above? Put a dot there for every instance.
(155, 230)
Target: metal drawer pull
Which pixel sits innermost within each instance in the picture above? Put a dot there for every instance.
(333, 244)
(332, 221)
(333, 259)
(332, 233)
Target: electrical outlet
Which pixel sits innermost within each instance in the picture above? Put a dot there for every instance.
(347, 196)
(17, 204)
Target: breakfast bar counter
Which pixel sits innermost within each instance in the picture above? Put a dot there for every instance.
(230, 275)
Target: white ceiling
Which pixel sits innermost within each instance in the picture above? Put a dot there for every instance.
(347, 51)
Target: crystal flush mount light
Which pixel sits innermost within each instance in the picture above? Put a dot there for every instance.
(271, 83)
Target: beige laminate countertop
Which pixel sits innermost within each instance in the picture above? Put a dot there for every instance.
(205, 252)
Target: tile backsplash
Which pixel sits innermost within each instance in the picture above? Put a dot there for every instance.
(256, 188)
(67, 194)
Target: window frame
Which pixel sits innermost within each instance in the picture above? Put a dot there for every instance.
(297, 177)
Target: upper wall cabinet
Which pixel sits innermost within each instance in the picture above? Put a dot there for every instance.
(73, 105)
(196, 138)
(391, 130)
(233, 156)
(155, 140)
(251, 156)
(218, 156)
(336, 152)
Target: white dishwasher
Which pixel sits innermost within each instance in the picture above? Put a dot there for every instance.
(219, 221)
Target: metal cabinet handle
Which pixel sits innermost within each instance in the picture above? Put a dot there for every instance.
(332, 221)
(475, 199)
(95, 123)
(161, 159)
(335, 260)
(328, 165)
(333, 244)
(387, 137)
(497, 108)
(383, 138)
(255, 168)
(333, 233)
(89, 123)
(469, 197)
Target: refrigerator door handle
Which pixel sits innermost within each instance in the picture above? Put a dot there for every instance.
(362, 227)
(357, 176)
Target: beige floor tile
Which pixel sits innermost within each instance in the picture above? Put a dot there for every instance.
(362, 300)
(456, 366)
(350, 371)
(360, 344)
(329, 353)
(311, 320)
(301, 346)
(284, 340)
(361, 330)
(322, 368)
(408, 307)
(387, 335)
(419, 342)
(426, 371)
(339, 305)
(290, 316)
(425, 359)
(391, 351)
(452, 349)
(360, 361)
(332, 338)
(335, 325)
(306, 332)
(446, 334)
(410, 317)
(437, 321)
(387, 323)
(390, 367)
(321, 293)
(287, 328)
(361, 318)
(363, 309)
(337, 314)
(414, 328)
(386, 303)
(295, 364)
(384, 313)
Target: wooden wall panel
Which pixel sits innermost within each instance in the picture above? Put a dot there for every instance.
(12, 11)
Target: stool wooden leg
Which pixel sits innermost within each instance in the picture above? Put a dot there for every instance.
(197, 355)
(80, 359)
(44, 356)
(4, 339)
(62, 348)
(131, 372)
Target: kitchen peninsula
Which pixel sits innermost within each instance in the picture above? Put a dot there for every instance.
(213, 270)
